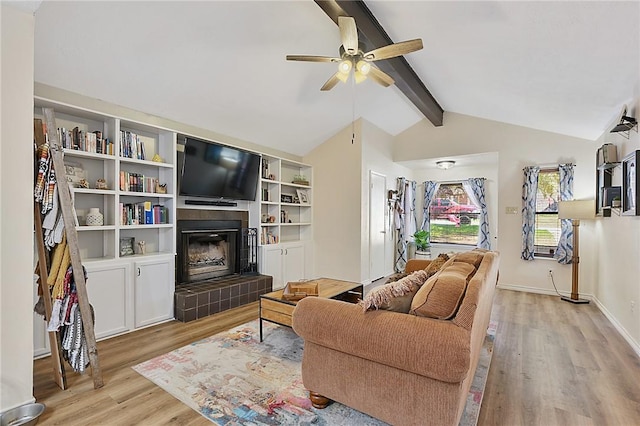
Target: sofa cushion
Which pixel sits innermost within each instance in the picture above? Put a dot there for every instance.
(436, 264)
(473, 257)
(441, 295)
(395, 296)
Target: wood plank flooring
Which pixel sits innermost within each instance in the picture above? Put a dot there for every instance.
(554, 363)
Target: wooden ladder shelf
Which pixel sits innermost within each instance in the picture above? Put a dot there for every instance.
(66, 207)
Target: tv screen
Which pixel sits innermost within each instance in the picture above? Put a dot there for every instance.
(218, 171)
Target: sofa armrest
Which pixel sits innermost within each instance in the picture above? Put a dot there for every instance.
(416, 265)
(424, 346)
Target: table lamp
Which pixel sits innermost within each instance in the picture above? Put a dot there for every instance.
(576, 210)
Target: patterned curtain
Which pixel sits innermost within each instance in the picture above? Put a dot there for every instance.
(399, 219)
(475, 189)
(564, 251)
(411, 221)
(430, 189)
(529, 190)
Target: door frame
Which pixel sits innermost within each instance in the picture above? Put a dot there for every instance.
(386, 228)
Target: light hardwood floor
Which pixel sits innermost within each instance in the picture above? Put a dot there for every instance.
(554, 363)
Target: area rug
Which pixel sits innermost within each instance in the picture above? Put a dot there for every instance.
(233, 379)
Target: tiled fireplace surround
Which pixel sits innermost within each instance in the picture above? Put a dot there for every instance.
(201, 299)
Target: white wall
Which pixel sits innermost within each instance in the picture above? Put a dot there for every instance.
(341, 199)
(336, 205)
(618, 248)
(16, 211)
(517, 147)
(377, 156)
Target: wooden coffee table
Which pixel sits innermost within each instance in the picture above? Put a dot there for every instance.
(274, 308)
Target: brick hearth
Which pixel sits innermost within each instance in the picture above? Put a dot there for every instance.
(194, 301)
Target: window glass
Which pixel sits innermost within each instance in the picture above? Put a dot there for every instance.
(547, 223)
(453, 218)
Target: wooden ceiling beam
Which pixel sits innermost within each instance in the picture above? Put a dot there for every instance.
(373, 35)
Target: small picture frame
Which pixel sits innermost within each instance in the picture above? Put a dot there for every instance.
(303, 196)
(286, 198)
(127, 246)
(76, 175)
(630, 184)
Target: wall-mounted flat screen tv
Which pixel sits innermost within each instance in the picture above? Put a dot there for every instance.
(217, 171)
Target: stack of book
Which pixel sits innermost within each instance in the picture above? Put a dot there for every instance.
(143, 213)
(80, 140)
(131, 146)
(137, 182)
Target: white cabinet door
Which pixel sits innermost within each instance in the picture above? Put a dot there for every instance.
(154, 287)
(109, 292)
(272, 265)
(284, 262)
(293, 263)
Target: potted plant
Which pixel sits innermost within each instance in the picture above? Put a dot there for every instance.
(421, 239)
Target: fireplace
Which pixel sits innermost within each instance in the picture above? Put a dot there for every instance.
(208, 249)
(212, 244)
(216, 263)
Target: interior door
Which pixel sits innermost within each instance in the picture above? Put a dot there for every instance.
(377, 225)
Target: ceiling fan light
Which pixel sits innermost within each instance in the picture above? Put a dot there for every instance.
(364, 67)
(345, 67)
(359, 76)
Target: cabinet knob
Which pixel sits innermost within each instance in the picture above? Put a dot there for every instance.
(286, 252)
(138, 271)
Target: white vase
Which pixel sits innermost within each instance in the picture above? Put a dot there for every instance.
(94, 217)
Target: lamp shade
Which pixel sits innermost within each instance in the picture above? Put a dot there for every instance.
(577, 209)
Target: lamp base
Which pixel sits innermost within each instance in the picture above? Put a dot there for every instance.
(576, 301)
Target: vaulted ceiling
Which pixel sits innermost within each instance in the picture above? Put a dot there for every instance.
(564, 67)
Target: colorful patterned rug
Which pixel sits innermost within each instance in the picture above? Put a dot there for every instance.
(233, 379)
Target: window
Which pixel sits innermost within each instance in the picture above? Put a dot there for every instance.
(453, 218)
(547, 227)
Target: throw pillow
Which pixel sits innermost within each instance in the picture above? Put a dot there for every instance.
(395, 296)
(441, 295)
(436, 264)
(395, 277)
(472, 257)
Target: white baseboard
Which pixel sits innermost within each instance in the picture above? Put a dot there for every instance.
(623, 332)
(537, 290)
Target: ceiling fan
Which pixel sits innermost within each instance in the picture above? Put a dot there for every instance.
(353, 58)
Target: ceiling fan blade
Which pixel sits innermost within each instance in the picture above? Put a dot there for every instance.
(311, 58)
(380, 77)
(348, 34)
(330, 84)
(393, 50)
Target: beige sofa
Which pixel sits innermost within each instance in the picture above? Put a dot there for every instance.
(400, 368)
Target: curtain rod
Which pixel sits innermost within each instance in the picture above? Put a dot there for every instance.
(551, 166)
(450, 182)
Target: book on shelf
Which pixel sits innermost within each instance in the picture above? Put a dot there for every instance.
(144, 213)
(267, 237)
(131, 146)
(79, 140)
(137, 182)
